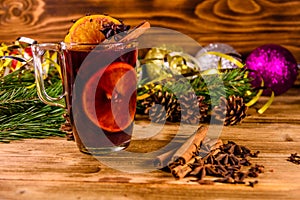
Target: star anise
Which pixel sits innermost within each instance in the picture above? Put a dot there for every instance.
(200, 170)
(116, 31)
(294, 158)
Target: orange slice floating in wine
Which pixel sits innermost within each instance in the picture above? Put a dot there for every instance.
(109, 97)
(88, 29)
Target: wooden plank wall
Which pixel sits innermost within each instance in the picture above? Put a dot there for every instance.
(242, 24)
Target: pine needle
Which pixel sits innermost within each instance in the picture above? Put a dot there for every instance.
(22, 114)
(212, 87)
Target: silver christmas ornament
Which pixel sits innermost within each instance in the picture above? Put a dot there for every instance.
(209, 61)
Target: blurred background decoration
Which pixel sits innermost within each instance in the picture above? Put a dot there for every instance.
(244, 25)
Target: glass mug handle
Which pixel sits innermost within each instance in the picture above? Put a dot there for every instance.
(38, 50)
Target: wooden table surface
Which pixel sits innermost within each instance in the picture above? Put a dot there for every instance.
(54, 168)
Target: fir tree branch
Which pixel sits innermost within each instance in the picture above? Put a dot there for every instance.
(212, 87)
(23, 115)
(36, 122)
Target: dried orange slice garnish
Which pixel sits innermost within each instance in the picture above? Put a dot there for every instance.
(88, 29)
(109, 97)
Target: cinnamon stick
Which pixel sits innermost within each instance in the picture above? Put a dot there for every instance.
(163, 160)
(191, 146)
(180, 171)
(180, 155)
(136, 31)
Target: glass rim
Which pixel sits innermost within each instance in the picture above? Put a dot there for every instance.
(114, 43)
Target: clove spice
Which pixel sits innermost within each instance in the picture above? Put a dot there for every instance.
(294, 158)
(203, 157)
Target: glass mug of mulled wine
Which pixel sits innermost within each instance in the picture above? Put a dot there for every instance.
(99, 83)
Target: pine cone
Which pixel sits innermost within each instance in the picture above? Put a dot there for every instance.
(164, 106)
(160, 106)
(231, 111)
(67, 128)
(190, 114)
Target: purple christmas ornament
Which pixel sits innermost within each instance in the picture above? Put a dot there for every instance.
(275, 65)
